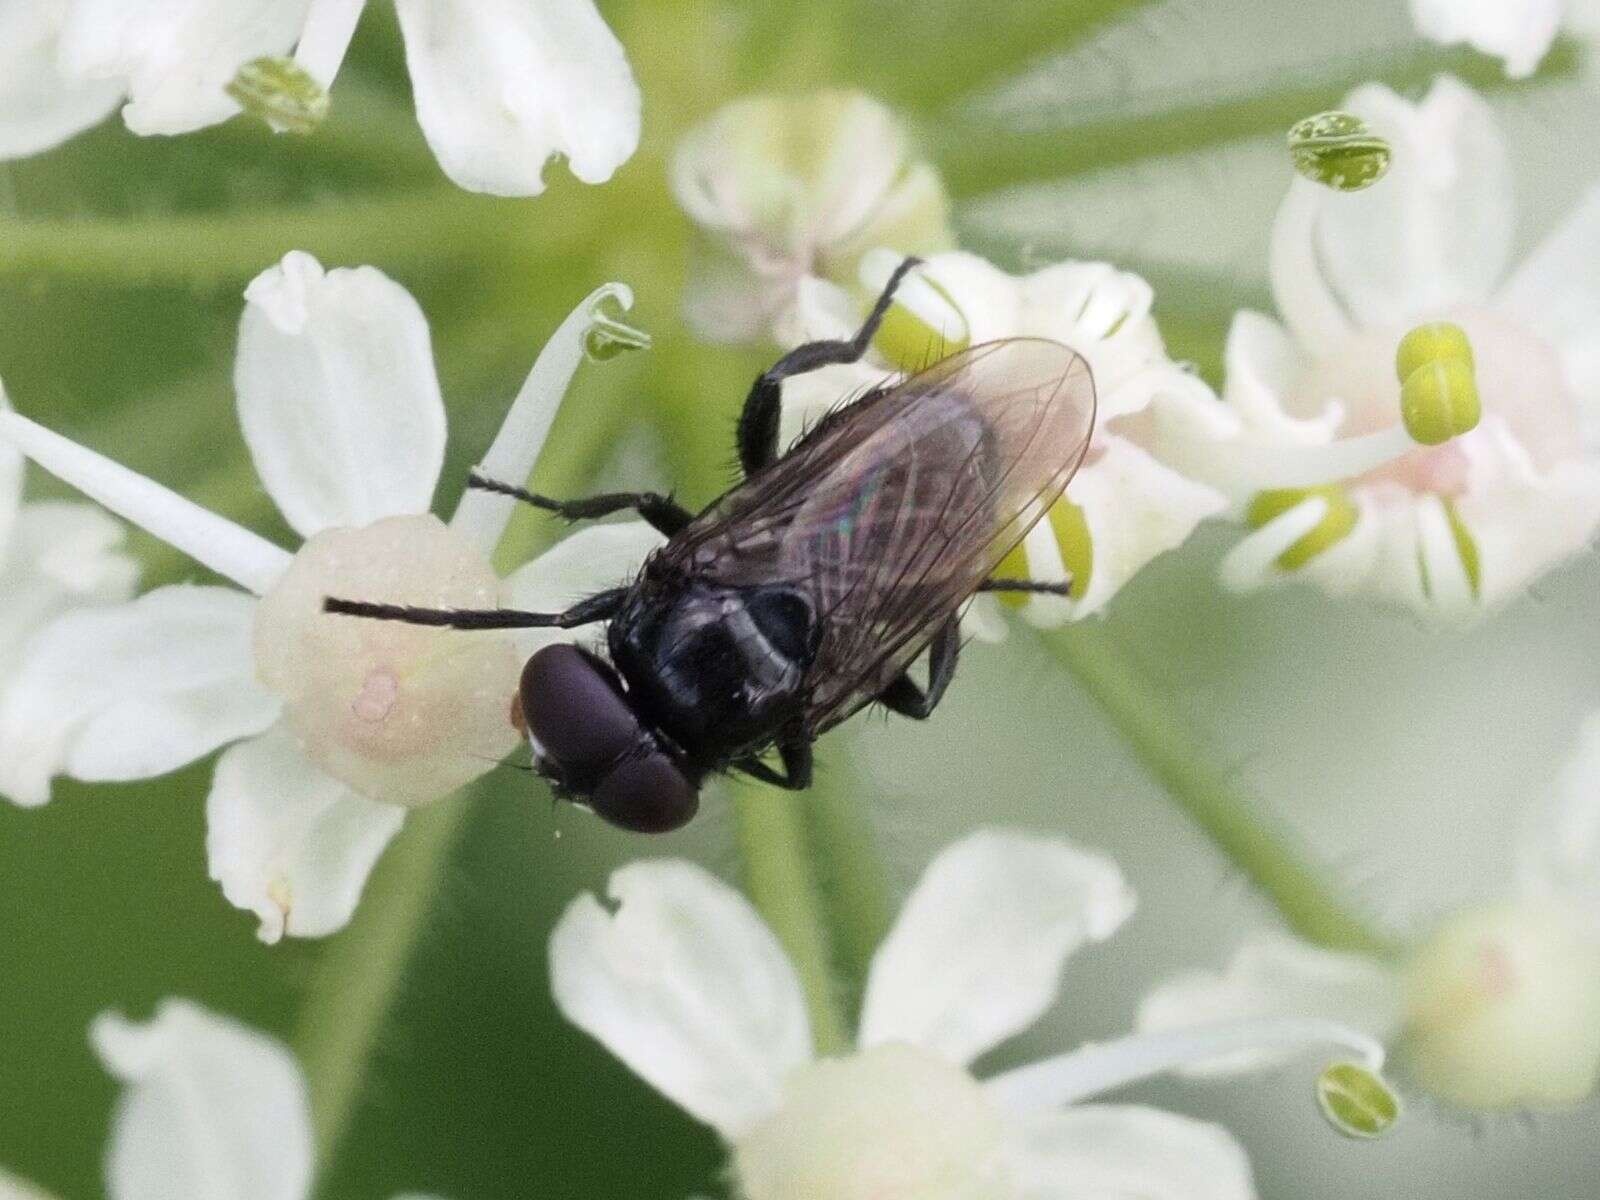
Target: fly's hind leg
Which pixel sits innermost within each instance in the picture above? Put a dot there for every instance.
(1060, 588)
(795, 751)
(905, 697)
(758, 423)
(662, 513)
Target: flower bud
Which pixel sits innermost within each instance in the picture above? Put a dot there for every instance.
(1503, 1008)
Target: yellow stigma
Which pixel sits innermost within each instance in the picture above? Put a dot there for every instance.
(1268, 506)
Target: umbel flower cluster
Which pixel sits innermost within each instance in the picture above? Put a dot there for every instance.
(1412, 425)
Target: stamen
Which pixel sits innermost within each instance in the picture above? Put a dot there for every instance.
(481, 517)
(1255, 557)
(281, 93)
(1093, 1069)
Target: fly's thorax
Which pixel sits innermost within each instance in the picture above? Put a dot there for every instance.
(716, 669)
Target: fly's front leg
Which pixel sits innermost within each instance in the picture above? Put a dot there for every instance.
(662, 513)
(795, 751)
(905, 697)
(758, 422)
(1036, 587)
(602, 606)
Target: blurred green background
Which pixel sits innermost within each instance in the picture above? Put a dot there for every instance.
(1405, 759)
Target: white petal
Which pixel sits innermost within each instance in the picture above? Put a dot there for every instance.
(579, 565)
(1262, 365)
(1518, 31)
(1560, 850)
(682, 981)
(501, 85)
(1112, 1151)
(209, 1108)
(482, 516)
(11, 462)
(1556, 290)
(130, 691)
(61, 555)
(977, 952)
(1274, 975)
(228, 549)
(1136, 508)
(175, 57)
(289, 843)
(1436, 230)
(40, 107)
(338, 398)
(12, 1188)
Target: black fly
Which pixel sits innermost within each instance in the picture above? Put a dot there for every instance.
(805, 592)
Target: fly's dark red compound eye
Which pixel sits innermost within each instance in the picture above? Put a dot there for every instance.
(647, 794)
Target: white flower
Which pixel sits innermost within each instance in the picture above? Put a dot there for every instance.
(209, 1108)
(1497, 1007)
(791, 190)
(1125, 506)
(338, 723)
(500, 85)
(679, 978)
(1448, 529)
(1517, 31)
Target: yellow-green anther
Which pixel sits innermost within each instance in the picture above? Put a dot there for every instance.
(1439, 401)
(1338, 150)
(281, 93)
(1071, 528)
(609, 336)
(1340, 519)
(1356, 1101)
(1437, 341)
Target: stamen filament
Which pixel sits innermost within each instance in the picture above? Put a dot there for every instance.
(1240, 470)
(1094, 1069)
(1299, 288)
(215, 542)
(482, 516)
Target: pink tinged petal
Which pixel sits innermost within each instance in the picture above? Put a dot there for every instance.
(214, 542)
(1436, 230)
(977, 953)
(288, 842)
(1518, 31)
(209, 1107)
(482, 516)
(175, 58)
(502, 85)
(39, 106)
(1275, 976)
(682, 981)
(131, 691)
(577, 566)
(61, 555)
(338, 398)
(1101, 1151)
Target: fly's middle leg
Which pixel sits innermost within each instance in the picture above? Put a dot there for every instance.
(758, 422)
(660, 512)
(905, 697)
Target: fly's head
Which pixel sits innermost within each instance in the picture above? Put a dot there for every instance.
(592, 744)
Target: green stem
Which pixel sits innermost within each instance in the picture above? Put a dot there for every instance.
(778, 876)
(1235, 820)
(425, 226)
(855, 887)
(361, 969)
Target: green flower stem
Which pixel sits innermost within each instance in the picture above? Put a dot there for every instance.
(777, 873)
(426, 226)
(855, 887)
(1216, 800)
(361, 969)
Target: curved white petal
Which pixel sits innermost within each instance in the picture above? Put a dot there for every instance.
(174, 57)
(682, 981)
(289, 843)
(1560, 849)
(1517, 31)
(1262, 365)
(209, 1108)
(579, 565)
(977, 952)
(11, 463)
(39, 106)
(1107, 1151)
(1274, 975)
(481, 516)
(129, 691)
(1436, 230)
(1136, 508)
(338, 398)
(501, 85)
(61, 555)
